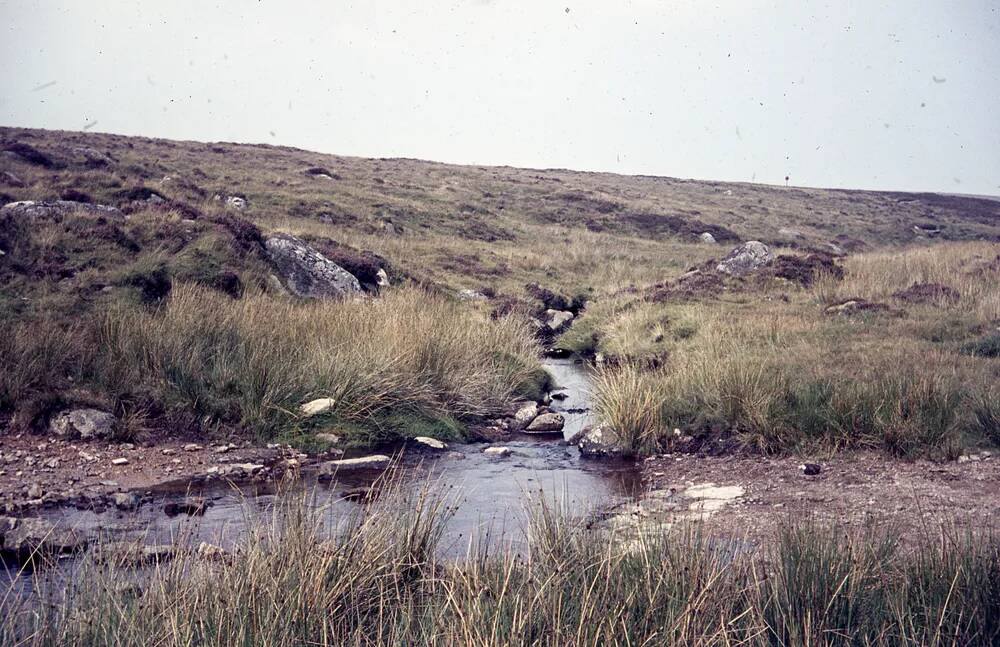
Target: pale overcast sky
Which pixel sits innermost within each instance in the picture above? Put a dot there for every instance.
(860, 94)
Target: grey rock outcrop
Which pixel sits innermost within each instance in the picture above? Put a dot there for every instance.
(751, 255)
(49, 208)
(306, 272)
(600, 441)
(83, 423)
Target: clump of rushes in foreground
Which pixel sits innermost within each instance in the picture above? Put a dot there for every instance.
(202, 359)
(777, 368)
(378, 581)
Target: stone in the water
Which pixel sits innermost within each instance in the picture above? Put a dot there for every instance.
(810, 469)
(374, 462)
(306, 272)
(751, 255)
(125, 500)
(433, 443)
(191, 506)
(546, 423)
(84, 424)
(525, 415)
(498, 452)
(22, 538)
(317, 406)
(600, 441)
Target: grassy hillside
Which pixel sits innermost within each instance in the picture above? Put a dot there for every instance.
(172, 317)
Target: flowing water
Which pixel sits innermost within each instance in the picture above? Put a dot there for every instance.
(489, 496)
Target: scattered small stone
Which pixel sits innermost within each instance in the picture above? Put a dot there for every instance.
(810, 469)
(433, 443)
(169, 451)
(35, 491)
(333, 439)
(192, 447)
(119, 461)
(498, 452)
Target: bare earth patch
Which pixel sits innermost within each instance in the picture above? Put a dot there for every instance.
(39, 472)
(850, 490)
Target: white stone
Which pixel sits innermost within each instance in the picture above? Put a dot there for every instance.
(374, 462)
(433, 443)
(317, 406)
(499, 452)
(556, 319)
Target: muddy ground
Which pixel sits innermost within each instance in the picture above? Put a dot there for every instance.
(852, 489)
(40, 472)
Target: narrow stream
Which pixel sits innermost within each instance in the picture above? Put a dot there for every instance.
(490, 496)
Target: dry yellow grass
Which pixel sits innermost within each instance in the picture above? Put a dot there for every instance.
(264, 355)
(780, 373)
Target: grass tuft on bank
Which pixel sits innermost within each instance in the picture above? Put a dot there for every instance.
(203, 361)
(379, 581)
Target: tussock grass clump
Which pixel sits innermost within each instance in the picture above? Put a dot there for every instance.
(252, 362)
(779, 373)
(375, 579)
(631, 401)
